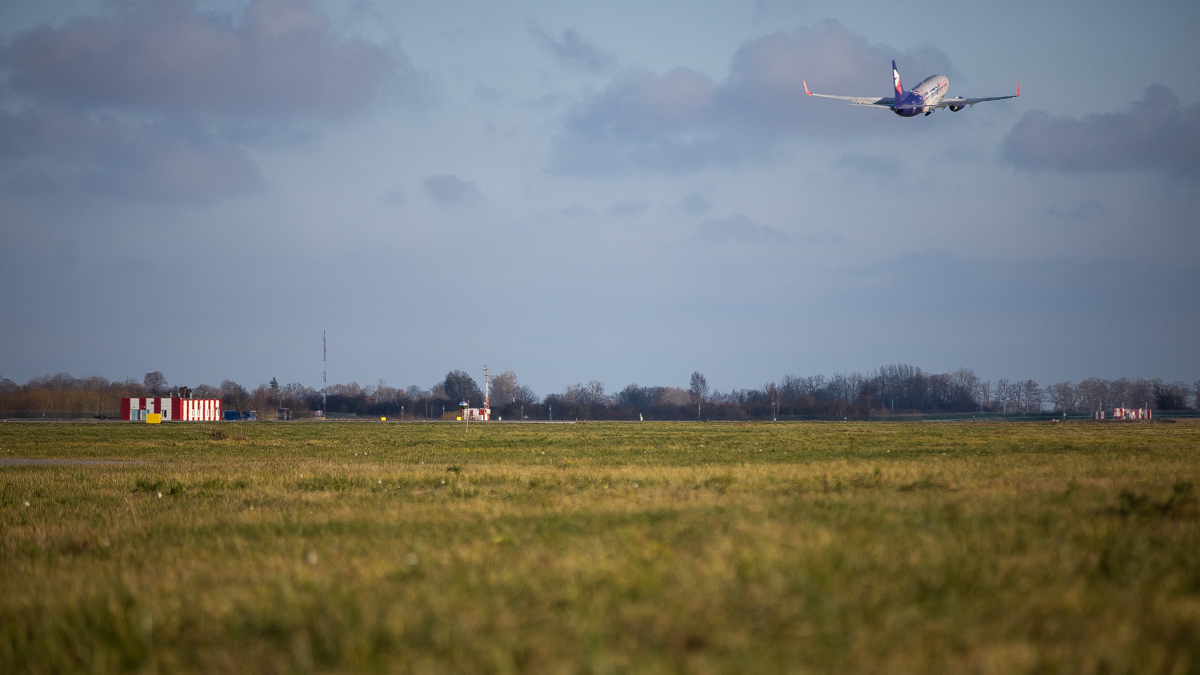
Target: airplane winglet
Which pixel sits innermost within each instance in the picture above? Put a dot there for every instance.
(1018, 89)
(810, 93)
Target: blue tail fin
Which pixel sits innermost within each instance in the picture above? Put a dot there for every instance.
(896, 80)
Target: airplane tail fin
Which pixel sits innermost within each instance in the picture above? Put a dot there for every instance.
(896, 80)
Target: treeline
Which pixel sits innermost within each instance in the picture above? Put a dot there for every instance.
(898, 389)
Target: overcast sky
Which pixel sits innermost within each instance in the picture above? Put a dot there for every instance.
(620, 191)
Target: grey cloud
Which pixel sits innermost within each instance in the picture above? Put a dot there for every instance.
(56, 152)
(281, 58)
(695, 204)
(157, 100)
(395, 196)
(572, 51)
(826, 238)
(575, 210)
(737, 228)
(882, 168)
(626, 208)
(450, 190)
(682, 120)
(1156, 133)
(1085, 210)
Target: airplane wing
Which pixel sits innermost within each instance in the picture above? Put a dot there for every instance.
(960, 102)
(856, 100)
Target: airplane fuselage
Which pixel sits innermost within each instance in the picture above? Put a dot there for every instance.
(923, 98)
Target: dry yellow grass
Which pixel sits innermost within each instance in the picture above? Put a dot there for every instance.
(640, 548)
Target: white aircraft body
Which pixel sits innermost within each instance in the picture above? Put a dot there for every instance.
(923, 98)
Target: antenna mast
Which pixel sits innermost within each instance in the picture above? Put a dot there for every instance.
(486, 388)
(324, 372)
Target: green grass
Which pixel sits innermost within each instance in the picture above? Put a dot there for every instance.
(601, 548)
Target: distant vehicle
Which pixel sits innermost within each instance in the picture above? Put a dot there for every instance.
(923, 98)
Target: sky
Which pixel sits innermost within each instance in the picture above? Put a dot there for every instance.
(575, 191)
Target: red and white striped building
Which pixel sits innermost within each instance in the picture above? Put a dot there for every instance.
(171, 409)
(478, 414)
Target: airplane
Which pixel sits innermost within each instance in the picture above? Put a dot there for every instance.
(923, 98)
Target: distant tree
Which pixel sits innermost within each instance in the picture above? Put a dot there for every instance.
(583, 400)
(1092, 394)
(206, 391)
(1172, 396)
(1196, 394)
(965, 388)
(460, 386)
(234, 396)
(639, 398)
(526, 396)
(791, 388)
(1119, 393)
(505, 388)
(1062, 395)
(1033, 396)
(984, 394)
(274, 384)
(675, 396)
(156, 383)
(699, 390)
(1002, 395)
(1141, 393)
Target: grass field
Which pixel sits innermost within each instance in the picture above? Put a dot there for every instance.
(601, 548)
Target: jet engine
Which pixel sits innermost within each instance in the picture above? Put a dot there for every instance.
(956, 108)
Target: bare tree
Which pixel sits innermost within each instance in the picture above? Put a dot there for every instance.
(699, 390)
(984, 394)
(1141, 393)
(1004, 394)
(234, 396)
(1119, 391)
(1092, 393)
(1033, 396)
(156, 383)
(1062, 395)
(505, 388)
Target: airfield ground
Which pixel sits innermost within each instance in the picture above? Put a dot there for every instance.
(601, 548)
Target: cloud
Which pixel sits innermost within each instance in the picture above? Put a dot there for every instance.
(626, 208)
(1156, 133)
(737, 228)
(158, 100)
(888, 169)
(571, 51)
(450, 190)
(99, 156)
(682, 120)
(1085, 210)
(395, 196)
(281, 58)
(695, 204)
